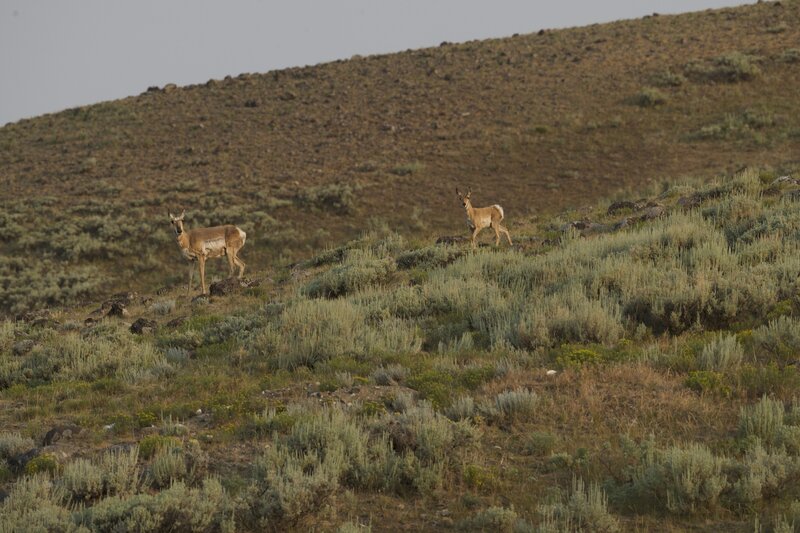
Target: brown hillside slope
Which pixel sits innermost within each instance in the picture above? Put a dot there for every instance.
(307, 156)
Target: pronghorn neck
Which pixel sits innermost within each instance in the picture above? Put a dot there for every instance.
(469, 209)
(183, 239)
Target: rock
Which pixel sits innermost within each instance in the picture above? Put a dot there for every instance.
(250, 283)
(126, 298)
(621, 224)
(175, 322)
(593, 228)
(653, 212)
(60, 432)
(41, 318)
(690, 202)
(117, 309)
(225, 287)
(144, 326)
(251, 103)
(170, 87)
(18, 462)
(31, 316)
(90, 321)
(22, 347)
(784, 180)
(163, 290)
(577, 224)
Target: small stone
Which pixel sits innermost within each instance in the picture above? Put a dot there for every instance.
(22, 347)
(143, 326)
(118, 309)
(58, 433)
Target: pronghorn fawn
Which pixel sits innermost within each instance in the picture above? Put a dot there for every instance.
(200, 244)
(479, 218)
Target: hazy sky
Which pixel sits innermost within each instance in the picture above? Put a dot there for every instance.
(56, 54)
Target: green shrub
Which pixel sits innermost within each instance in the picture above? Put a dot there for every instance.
(177, 508)
(163, 307)
(309, 332)
(336, 197)
(151, 444)
(667, 78)
(779, 340)
(12, 444)
(585, 509)
(763, 420)
(765, 474)
(497, 519)
(435, 256)
(44, 463)
(168, 466)
(730, 68)
(539, 443)
(463, 408)
(389, 375)
(682, 480)
(650, 97)
(791, 55)
(435, 386)
(34, 504)
(512, 405)
(82, 480)
(358, 271)
(722, 354)
(708, 382)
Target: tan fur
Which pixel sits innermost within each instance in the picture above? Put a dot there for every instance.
(200, 244)
(479, 218)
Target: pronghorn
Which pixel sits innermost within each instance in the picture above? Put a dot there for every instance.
(200, 244)
(479, 218)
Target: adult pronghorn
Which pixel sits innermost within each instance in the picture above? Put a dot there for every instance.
(200, 244)
(479, 218)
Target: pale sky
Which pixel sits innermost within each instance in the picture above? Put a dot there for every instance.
(57, 54)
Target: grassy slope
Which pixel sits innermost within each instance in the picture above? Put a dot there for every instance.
(307, 156)
(628, 319)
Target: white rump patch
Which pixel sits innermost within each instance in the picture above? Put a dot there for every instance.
(242, 234)
(502, 215)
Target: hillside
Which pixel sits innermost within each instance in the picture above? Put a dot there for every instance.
(306, 157)
(634, 370)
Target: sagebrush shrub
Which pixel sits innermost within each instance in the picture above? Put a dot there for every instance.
(723, 354)
(763, 420)
(682, 480)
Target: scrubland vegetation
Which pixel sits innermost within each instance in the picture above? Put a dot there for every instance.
(386, 382)
(625, 366)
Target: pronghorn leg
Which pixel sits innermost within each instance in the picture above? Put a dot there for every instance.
(191, 274)
(507, 234)
(475, 236)
(231, 255)
(496, 228)
(240, 264)
(201, 261)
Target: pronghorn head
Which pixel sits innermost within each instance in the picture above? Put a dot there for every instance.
(177, 222)
(464, 197)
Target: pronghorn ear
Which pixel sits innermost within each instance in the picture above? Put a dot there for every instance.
(183, 213)
(469, 191)
(170, 215)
